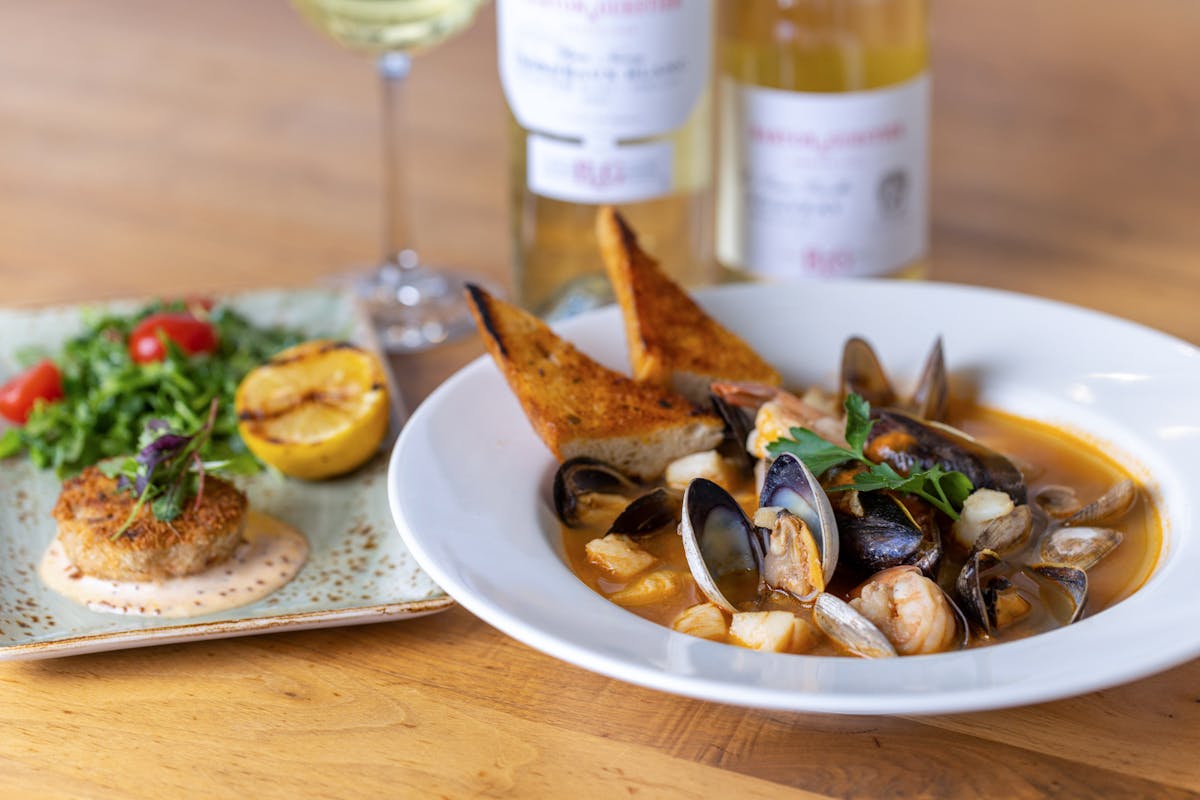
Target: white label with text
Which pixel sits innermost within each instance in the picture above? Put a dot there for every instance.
(603, 69)
(833, 185)
(598, 174)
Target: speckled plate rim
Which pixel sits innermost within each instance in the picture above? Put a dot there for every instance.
(180, 632)
(485, 532)
(202, 631)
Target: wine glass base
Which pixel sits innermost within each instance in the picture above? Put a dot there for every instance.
(414, 308)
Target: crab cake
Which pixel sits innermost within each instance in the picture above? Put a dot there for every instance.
(91, 510)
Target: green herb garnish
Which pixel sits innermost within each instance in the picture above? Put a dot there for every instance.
(944, 489)
(109, 398)
(167, 471)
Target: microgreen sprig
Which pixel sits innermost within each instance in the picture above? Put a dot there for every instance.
(166, 471)
(944, 489)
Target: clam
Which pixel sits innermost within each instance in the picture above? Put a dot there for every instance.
(849, 629)
(905, 442)
(1110, 506)
(1058, 501)
(1008, 533)
(1065, 589)
(863, 374)
(1081, 547)
(887, 534)
(791, 546)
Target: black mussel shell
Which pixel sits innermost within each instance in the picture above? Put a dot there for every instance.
(886, 535)
(906, 442)
(974, 590)
(582, 476)
(649, 514)
(738, 424)
(863, 374)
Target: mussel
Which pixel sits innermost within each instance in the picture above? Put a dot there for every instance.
(863, 374)
(790, 485)
(589, 492)
(906, 442)
(736, 562)
(887, 534)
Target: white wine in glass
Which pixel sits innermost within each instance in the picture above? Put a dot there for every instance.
(414, 306)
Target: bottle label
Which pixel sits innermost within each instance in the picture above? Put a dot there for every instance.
(598, 174)
(832, 185)
(603, 69)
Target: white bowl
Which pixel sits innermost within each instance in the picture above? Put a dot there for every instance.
(469, 488)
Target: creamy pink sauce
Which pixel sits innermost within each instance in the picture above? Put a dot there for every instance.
(270, 557)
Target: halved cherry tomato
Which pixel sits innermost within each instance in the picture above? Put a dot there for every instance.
(190, 334)
(40, 382)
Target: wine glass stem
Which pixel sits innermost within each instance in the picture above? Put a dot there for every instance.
(399, 256)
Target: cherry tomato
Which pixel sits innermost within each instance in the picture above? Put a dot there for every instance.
(190, 334)
(39, 382)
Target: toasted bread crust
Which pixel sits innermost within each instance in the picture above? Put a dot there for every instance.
(672, 341)
(579, 407)
(90, 510)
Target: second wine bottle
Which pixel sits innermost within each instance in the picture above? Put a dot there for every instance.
(610, 104)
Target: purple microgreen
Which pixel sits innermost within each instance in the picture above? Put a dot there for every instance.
(166, 471)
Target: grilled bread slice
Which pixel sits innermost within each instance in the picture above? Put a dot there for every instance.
(672, 342)
(581, 408)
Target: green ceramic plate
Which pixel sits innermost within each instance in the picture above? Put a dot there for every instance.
(358, 570)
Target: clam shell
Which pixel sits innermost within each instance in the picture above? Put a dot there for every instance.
(850, 629)
(1079, 547)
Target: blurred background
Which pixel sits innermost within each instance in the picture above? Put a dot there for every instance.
(179, 146)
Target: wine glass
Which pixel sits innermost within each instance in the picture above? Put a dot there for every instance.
(414, 305)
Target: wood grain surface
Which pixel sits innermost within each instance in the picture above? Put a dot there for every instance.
(162, 146)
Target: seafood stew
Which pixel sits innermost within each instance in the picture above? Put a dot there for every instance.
(967, 595)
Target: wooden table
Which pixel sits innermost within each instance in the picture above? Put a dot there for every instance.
(149, 146)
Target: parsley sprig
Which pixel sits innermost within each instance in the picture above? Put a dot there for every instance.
(944, 489)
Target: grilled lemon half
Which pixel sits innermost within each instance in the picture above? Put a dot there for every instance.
(315, 410)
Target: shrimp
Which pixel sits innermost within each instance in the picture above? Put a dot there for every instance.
(911, 610)
(777, 412)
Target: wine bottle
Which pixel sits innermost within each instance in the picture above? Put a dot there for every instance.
(609, 104)
(823, 163)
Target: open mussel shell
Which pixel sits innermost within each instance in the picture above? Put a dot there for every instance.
(1079, 547)
(907, 442)
(791, 485)
(648, 514)
(1067, 589)
(722, 546)
(587, 488)
(1110, 506)
(849, 629)
(738, 424)
(887, 535)
(931, 397)
(862, 374)
(972, 587)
